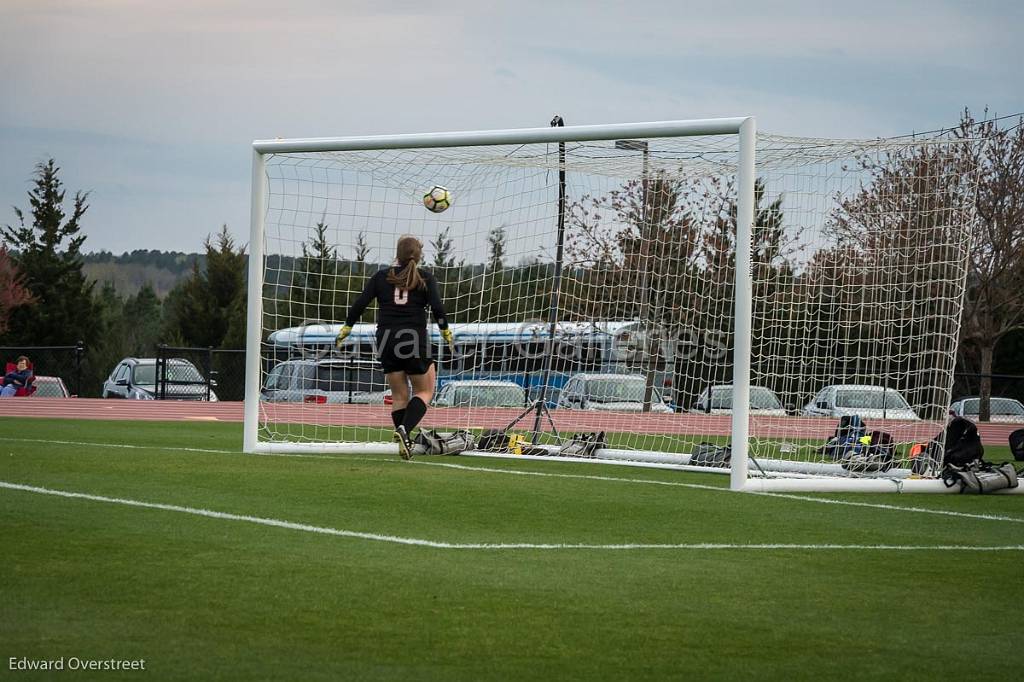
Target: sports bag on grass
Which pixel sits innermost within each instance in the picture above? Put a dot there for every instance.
(1017, 444)
(870, 454)
(711, 455)
(493, 440)
(857, 450)
(980, 477)
(584, 445)
(849, 431)
(432, 442)
(963, 444)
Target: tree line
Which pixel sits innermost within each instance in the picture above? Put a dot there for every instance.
(638, 252)
(49, 301)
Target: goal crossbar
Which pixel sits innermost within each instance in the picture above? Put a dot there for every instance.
(585, 133)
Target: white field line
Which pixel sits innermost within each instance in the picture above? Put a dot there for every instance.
(125, 446)
(548, 474)
(434, 544)
(820, 500)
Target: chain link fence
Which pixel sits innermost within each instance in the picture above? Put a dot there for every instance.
(1003, 385)
(222, 369)
(222, 372)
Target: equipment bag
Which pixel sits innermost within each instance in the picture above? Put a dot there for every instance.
(869, 454)
(435, 442)
(980, 477)
(848, 433)
(583, 445)
(711, 455)
(1017, 444)
(958, 445)
(928, 459)
(493, 440)
(963, 444)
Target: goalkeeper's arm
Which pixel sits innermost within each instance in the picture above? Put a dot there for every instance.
(437, 307)
(356, 311)
(359, 305)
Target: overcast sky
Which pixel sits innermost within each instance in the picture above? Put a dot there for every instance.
(152, 105)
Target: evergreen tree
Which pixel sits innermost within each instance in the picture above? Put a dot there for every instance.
(111, 345)
(237, 318)
(47, 251)
(203, 308)
(496, 248)
(443, 246)
(141, 320)
(362, 247)
(315, 292)
(459, 284)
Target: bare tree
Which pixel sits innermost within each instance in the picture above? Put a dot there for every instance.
(994, 304)
(665, 254)
(903, 235)
(890, 284)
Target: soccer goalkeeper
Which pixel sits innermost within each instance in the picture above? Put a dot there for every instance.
(403, 292)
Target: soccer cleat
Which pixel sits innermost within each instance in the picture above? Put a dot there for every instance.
(404, 444)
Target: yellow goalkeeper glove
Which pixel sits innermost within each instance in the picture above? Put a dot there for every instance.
(345, 331)
(448, 337)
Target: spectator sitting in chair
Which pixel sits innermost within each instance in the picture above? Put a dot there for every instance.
(17, 378)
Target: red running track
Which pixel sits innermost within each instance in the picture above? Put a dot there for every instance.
(377, 415)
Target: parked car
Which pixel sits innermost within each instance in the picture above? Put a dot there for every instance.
(136, 379)
(480, 393)
(1004, 410)
(609, 392)
(762, 401)
(325, 380)
(50, 387)
(841, 400)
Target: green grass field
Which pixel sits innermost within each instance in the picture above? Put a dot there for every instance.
(266, 591)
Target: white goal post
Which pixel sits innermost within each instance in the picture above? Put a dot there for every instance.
(647, 281)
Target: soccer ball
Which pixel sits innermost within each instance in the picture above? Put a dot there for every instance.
(437, 199)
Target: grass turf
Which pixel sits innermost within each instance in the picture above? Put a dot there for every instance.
(204, 598)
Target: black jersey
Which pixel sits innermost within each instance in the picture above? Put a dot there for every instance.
(399, 308)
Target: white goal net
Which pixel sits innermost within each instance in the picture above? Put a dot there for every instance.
(590, 276)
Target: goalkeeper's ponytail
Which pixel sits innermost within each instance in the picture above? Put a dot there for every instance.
(407, 255)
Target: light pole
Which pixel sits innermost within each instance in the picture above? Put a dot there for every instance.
(643, 147)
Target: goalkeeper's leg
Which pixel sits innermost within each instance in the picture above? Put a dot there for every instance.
(422, 392)
(398, 382)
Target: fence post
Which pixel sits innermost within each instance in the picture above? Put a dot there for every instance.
(348, 377)
(161, 371)
(79, 352)
(209, 371)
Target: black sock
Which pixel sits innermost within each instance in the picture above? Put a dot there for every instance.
(414, 412)
(397, 416)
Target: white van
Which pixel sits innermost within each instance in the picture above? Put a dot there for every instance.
(326, 380)
(842, 400)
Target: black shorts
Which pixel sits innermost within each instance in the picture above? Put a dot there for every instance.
(404, 350)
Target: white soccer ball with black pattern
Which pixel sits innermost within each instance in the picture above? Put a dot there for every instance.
(438, 199)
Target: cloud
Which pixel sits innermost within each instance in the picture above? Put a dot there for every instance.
(163, 99)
